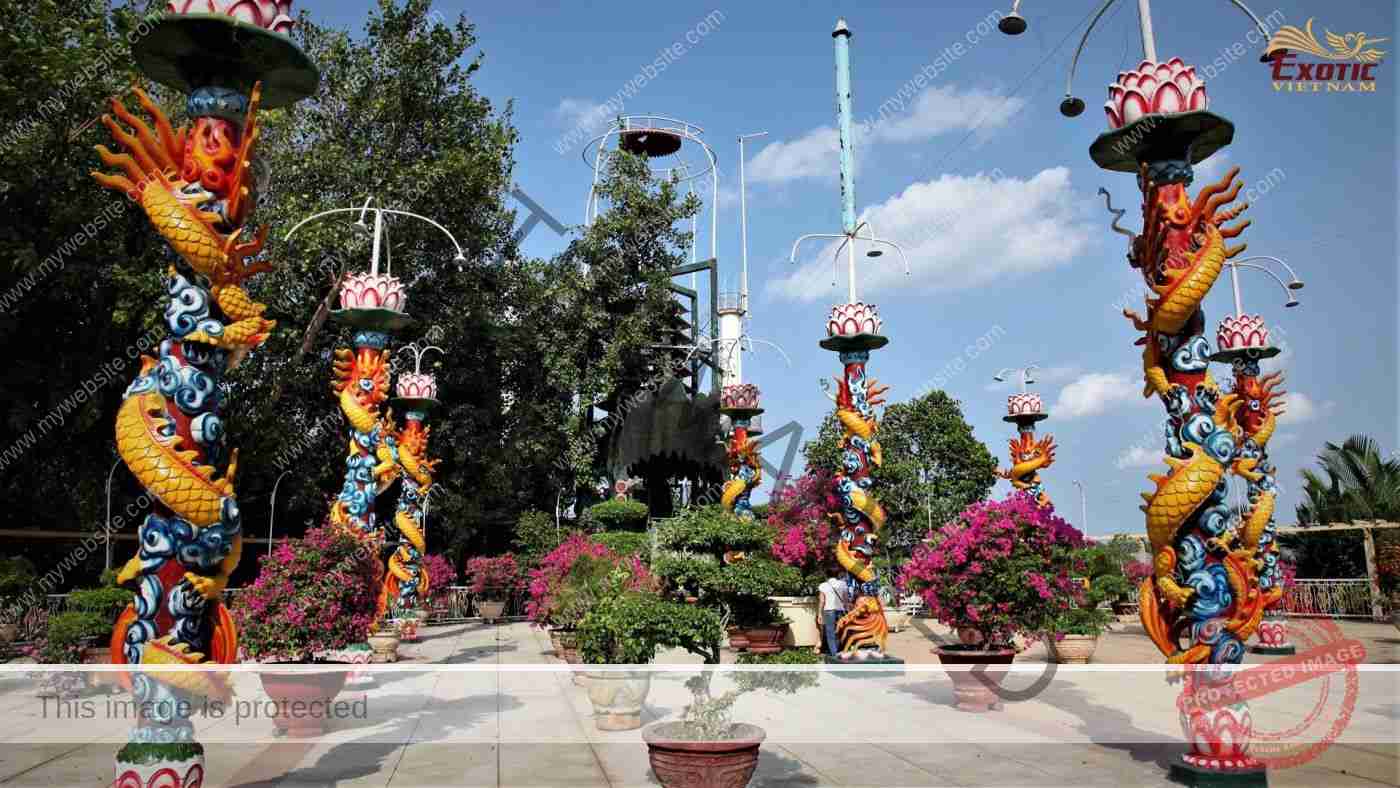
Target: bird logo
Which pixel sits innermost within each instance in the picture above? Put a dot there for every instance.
(1349, 47)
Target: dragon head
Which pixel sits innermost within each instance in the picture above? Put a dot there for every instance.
(1259, 398)
(365, 374)
(1029, 455)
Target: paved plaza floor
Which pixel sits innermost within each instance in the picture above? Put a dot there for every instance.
(483, 705)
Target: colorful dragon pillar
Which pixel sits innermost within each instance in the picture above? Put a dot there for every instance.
(407, 580)
(1028, 455)
(1204, 598)
(853, 330)
(740, 403)
(196, 184)
(1255, 405)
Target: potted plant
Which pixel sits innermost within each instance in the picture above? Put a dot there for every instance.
(441, 578)
(492, 581)
(1135, 571)
(17, 575)
(312, 598)
(570, 579)
(802, 539)
(626, 628)
(999, 569)
(1074, 634)
(707, 748)
(726, 563)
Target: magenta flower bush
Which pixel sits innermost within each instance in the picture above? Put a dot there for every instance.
(571, 578)
(440, 573)
(311, 596)
(498, 574)
(1137, 571)
(1001, 568)
(798, 516)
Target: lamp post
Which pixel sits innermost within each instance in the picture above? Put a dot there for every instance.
(1159, 128)
(108, 525)
(744, 227)
(852, 332)
(1083, 507)
(1028, 455)
(272, 510)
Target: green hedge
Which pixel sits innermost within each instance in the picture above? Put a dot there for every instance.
(712, 529)
(629, 628)
(626, 543)
(616, 515)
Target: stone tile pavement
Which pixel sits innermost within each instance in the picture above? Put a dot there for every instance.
(489, 706)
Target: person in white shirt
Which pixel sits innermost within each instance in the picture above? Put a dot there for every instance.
(834, 598)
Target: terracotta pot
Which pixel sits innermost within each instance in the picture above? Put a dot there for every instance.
(288, 689)
(737, 639)
(801, 615)
(729, 763)
(618, 697)
(970, 690)
(1071, 649)
(568, 651)
(490, 609)
(385, 646)
(765, 640)
(99, 655)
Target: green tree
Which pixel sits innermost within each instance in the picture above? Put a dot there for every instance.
(1357, 483)
(933, 468)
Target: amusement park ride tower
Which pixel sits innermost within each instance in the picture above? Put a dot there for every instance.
(663, 422)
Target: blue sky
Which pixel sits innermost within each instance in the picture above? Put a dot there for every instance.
(992, 193)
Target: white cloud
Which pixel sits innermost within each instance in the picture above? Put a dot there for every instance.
(1299, 407)
(936, 111)
(960, 231)
(1094, 393)
(1138, 457)
(583, 114)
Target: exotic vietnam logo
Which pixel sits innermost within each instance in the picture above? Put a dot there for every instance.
(1345, 65)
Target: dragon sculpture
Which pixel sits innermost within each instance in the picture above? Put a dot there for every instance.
(407, 579)
(361, 384)
(853, 331)
(1205, 585)
(194, 185)
(1028, 458)
(740, 402)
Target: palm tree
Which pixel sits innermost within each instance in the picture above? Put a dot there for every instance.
(1360, 484)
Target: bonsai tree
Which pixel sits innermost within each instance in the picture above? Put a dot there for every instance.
(536, 533)
(493, 577)
(312, 596)
(999, 569)
(17, 575)
(626, 543)
(709, 717)
(723, 562)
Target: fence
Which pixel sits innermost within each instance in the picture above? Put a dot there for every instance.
(457, 604)
(1329, 598)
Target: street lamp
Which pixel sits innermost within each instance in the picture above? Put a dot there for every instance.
(1026, 377)
(108, 528)
(272, 511)
(744, 227)
(1083, 506)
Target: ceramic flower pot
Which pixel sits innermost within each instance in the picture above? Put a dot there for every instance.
(297, 697)
(384, 646)
(974, 691)
(491, 609)
(738, 640)
(1071, 649)
(801, 615)
(765, 640)
(617, 697)
(678, 761)
(174, 765)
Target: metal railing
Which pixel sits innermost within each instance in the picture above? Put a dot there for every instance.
(457, 604)
(1329, 598)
